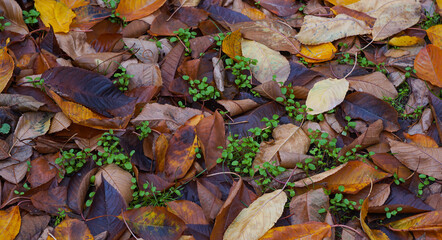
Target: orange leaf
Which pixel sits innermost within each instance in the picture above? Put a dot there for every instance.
(427, 64)
(405, 41)
(342, 2)
(232, 44)
(429, 221)
(136, 9)
(372, 233)
(72, 229)
(310, 230)
(435, 35)
(422, 140)
(253, 14)
(10, 222)
(6, 68)
(84, 116)
(55, 14)
(318, 53)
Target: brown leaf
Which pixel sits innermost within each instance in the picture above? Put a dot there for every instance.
(7, 67)
(422, 140)
(117, 178)
(50, 200)
(42, 170)
(74, 44)
(273, 34)
(181, 152)
(310, 230)
(287, 138)
(366, 107)
(136, 9)
(211, 134)
(368, 138)
(237, 107)
(282, 8)
(32, 226)
(374, 83)
(14, 14)
(31, 125)
(145, 51)
(423, 160)
(429, 221)
(305, 207)
(391, 165)
(210, 202)
(372, 233)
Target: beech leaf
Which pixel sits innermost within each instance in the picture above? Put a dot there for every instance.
(55, 14)
(326, 95)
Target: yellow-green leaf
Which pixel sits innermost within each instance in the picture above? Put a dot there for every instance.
(326, 94)
(55, 14)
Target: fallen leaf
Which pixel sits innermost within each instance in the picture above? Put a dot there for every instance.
(192, 215)
(32, 226)
(426, 64)
(13, 12)
(391, 165)
(423, 160)
(253, 14)
(372, 233)
(59, 123)
(435, 35)
(136, 9)
(429, 221)
(74, 44)
(318, 53)
(55, 14)
(6, 68)
(10, 222)
(304, 208)
(253, 222)
(287, 138)
(317, 30)
(376, 83)
(117, 178)
(211, 135)
(273, 34)
(368, 108)
(31, 125)
(75, 3)
(310, 230)
(422, 140)
(282, 8)
(270, 62)
(326, 95)
(405, 41)
(232, 44)
(153, 223)
(72, 229)
(145, 51)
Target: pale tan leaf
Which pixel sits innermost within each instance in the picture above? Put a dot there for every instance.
(59, 122)
(270, 62)
(118, 178)
(236, 107)
(423, 160)
(253, 222)
(376, 83)
(20, 102)
(14, 14)
(31, 125)
(105, 63)
(144, 75)
(287, 138)
(145, 51)
(326, 94)
(74, 44)
(317, 30)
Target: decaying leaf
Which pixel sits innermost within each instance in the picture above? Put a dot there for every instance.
(427, 64)
(55, 14)
(72, 229)
(6, 68)
(118, 178)
(10, 222)
(310, 230)
(136, 9)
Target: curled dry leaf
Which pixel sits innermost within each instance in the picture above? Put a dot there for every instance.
(309, 230)
(326, 94)
(423, 160)
(6, 68)
(13, 12)
(287, 138)
(270, 62)
(55, 14)
(372, 233)
(317, 30)
(253, 222)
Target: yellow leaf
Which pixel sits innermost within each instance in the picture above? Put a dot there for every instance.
(232, 44)
(372, 233)
(55, 14)
(10, 222)
(136, 9)
(318, 53)
(435, 34)
(270, 62)
(253, 222)
(309, 230)
(6, 68)
(405, 41)
(429, 221)
(74, 3)
(326, 94)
